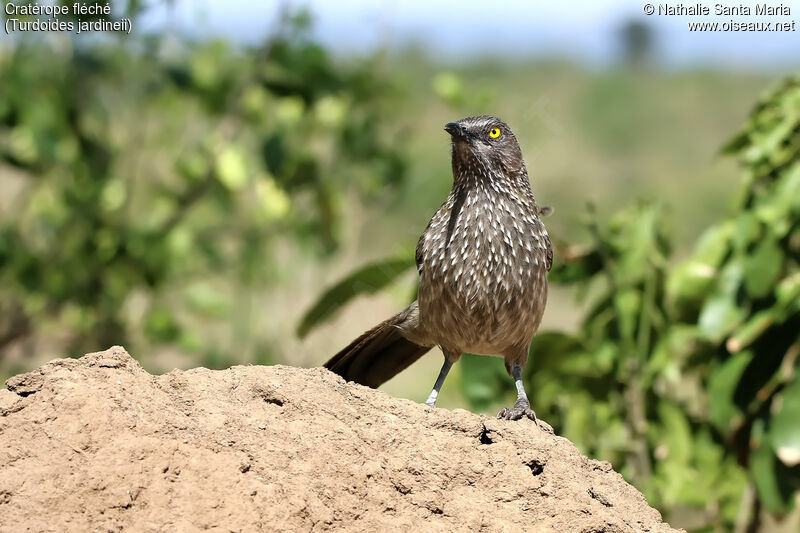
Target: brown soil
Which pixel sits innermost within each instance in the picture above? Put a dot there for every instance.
(98, 444)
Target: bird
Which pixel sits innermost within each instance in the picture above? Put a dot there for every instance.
(482, 262)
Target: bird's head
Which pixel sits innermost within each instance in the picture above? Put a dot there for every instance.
(484, 146)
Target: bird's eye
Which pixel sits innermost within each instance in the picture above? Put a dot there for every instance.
(494, 133)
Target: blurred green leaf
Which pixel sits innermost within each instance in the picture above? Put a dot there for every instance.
(274, 202)
(367, 280)
(161, 326)
(764, 469)
(231, 168)
(736, 143)
(762, 268)
(722, 384)
(788, 290)
(721, 313)
(785, 424)
(448, 87)
(628, 304)
(207, 300)
(549, 349)
(746, 232)
(576, 267)
(484, 380)
(691, 280)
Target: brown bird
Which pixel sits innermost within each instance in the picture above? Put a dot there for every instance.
(482, 262)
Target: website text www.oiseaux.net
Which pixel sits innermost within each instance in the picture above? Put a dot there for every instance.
(733, 25)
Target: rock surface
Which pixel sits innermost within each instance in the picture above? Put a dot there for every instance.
(98, 444)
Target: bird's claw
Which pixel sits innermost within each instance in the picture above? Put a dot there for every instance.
(520, 410)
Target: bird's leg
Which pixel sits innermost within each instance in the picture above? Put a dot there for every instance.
(522, 407)
(438, 385)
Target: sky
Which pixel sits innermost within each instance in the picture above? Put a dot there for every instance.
(582, 30)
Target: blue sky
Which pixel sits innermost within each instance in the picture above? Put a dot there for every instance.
(581, 29)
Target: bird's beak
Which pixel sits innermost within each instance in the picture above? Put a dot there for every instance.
(456, 130)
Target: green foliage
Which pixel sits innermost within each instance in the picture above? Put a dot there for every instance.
(366, 280)
(745, 294)
(148, 182)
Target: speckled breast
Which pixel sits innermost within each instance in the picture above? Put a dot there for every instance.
(482, 263)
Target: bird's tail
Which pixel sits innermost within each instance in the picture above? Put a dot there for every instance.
(380, 353)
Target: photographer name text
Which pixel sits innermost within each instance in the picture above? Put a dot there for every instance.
(702, 10)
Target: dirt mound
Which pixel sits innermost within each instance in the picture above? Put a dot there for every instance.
(97, 443)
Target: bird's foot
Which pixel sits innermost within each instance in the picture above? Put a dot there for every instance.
(521, 409)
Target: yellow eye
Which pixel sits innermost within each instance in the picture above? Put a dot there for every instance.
(494, 133)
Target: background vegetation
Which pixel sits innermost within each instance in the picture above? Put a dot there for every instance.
(193, 200)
